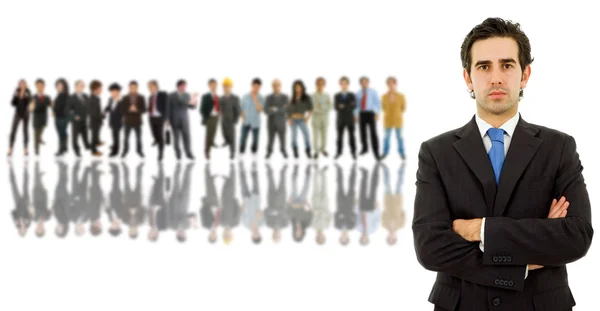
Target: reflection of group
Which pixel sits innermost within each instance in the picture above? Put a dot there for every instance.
(168, 113)
(168, 205)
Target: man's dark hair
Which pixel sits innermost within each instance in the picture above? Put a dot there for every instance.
(319, 79)
(344, 78)
(95, 85)
(211, 81)
(114, 87)
(181, 82)
(153, 82)
(40, 81)
(363, 78)
(495, 27)
(133, 82)
(256, 81)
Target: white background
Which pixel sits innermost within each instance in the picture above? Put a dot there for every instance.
(168, 40)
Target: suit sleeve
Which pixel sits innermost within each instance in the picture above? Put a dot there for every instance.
(546, 242)
(438, 247)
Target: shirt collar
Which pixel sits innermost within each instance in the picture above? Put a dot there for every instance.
(508, 126)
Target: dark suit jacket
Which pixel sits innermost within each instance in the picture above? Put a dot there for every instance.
(455, 180)
(95, 112)
(78, 108)
(345, 115)
(115, 116)
(161, 105)
(132, 118)
(206, 106)
(40, 111)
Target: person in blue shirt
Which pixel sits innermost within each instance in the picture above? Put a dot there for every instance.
(367, 111)
(252, 107)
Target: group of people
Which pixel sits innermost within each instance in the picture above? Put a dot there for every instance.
(168, 116)
(85, 206)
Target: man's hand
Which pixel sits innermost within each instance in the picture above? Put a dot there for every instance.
(290, 122)
(468, 229)
(341, 106)
(376, 117)
(534, 267)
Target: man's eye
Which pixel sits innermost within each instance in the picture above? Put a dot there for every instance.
(483, 67)
(507, 66)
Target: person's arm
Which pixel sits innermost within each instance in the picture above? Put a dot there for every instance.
(546, 242)
(438, 247)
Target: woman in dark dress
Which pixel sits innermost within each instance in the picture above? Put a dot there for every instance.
(20, 101)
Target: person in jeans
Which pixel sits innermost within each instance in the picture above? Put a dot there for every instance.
(299, 112)
(393, 105)
(20, 100)
(252, 107)
(61, 115)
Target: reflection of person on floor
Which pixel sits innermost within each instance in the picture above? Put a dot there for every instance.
(179, 202)
(78, 203)
(133, 212)
(230, 217)
(96, 200)
(369, 211)
(393, 212)
(61, 200)
(299, 209)
(252, 214)
(115, 201)
(276, 215)
(40, 202)
(210, 211)
(320, 203)
(345, 214)
(158, 207)
(22, 212)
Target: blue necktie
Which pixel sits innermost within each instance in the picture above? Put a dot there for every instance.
(496, 153)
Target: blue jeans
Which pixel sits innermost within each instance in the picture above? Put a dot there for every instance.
(302, 125)
(386, 141)
(246, 129)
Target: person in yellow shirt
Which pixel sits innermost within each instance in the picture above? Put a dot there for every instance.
(393, 104)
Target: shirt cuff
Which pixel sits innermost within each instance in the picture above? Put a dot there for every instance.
(482, 233)
(526, 272)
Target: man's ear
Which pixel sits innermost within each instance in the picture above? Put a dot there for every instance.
(468, 80)
(525, 76)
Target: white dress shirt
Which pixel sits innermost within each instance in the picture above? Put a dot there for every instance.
(509, 129)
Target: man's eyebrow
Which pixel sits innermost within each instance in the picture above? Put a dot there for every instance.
(489, 62)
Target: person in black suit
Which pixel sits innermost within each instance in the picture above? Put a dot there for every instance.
(20, 102)
(39, 107)
(22, 213)
(61, 200)
(132, 107)
(209, 113)
(345, 103)
(61, 113)
(276, 212)
(115, 119)
(501, 205)
(210, 211)
(158, 115)
(96, 116)
(345, 214)
(41, 212)
(78, 110)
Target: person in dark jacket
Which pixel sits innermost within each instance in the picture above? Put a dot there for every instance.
(158, 115)
(78, 110)
(61, 115)
(115, 119)
(96, 116)
(20, 100)
(132, 107)
(345, 103)
(39, 107)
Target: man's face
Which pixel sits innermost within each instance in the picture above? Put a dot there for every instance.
(39, 87)
(344, 85)
(364, 83)
(115, 93)
(133, 88)
(255, 88)
(79, 87)
(227, 89)
(391, 85)
(276, 86)
(182, 87)
(496, 75)
(213, 87)
(320, 85)
(152, 88)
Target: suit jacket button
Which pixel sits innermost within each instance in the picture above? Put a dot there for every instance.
(496, 302)
(509, 259)
(495, 259)
(504, 283)
(511, 283)
(497, 282)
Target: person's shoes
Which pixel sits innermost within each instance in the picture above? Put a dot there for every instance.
(337, 156)
(364, 152)
(284, 153)
(97, 153)
(403, 157)
(178, 156)
(140, 153)
(325, 153)
(207, 155)
(124, 154)
(77, 154)
(295, 152)
(10, 151)
(354, 156)
(190, 156)
(231, 156)
(154, 143)
(160, 157)
(316, 156)
(308, 153)
(268, 155)
(113, 154)
(383, 156)
(100, 144)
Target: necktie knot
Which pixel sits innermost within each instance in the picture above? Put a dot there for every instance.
(496, 134)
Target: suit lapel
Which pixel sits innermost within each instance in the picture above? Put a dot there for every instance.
(523, 147)
(470, 147)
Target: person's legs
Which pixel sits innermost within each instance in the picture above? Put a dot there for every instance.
(305, 134)
(126, 141)
(400, 141)
(363, 132)
(138, 137)
(255, 136)
(75, 129)
(116, 141)
(176, 130)
(316, 136)
(84, 135)
(186, 135)
(324, 125)
(25, 132)
(37, 139)
(270, 139)
(351, 130)
(13, 130)
(374, 139)
(386, 141)
(340, 138)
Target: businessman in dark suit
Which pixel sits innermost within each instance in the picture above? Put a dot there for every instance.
(132, 107)
(158, 115)
(179, 103)
(345, 103)
(78, 111)
(96, 116)
(501, 205)
(209, 112)
(115, 117)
